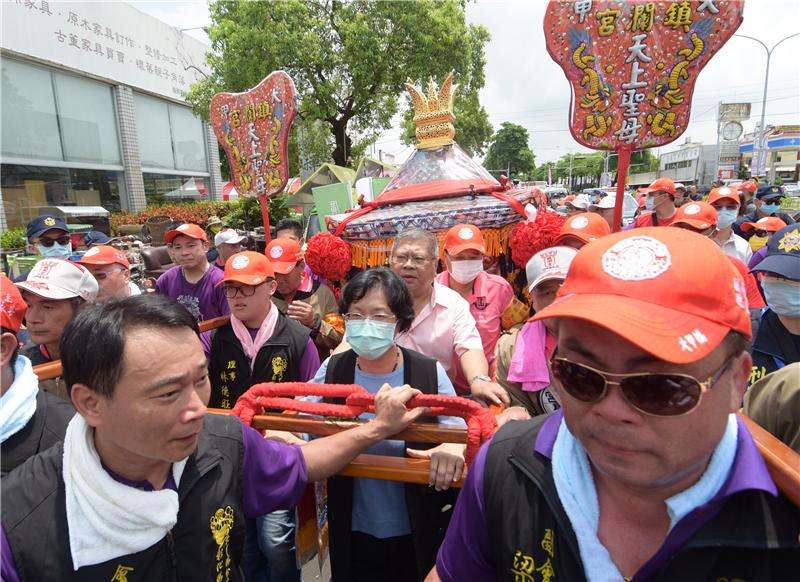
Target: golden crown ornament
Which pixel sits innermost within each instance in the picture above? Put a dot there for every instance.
(433, 113)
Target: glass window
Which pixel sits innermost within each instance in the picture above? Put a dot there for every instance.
(152, 126)
(189, 143)
(27, 188)
(30, 126)
(88, 120)
(159, 188)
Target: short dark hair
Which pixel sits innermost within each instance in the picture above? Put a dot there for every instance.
(13, 359)
(394, 288)
(93, 343)
(289, 224)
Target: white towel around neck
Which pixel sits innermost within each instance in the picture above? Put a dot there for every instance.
(105, 518)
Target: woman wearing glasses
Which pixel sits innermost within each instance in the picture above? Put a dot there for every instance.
(260, 344)
(384, 530)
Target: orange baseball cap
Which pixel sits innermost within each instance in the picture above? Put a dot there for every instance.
(105, 255)
(12, 306)
(768, 223)
(699, 215)
(188, 229)
(283, 253)
(464, 237)
(586, 226)
(722, 193)
(671, 292)
(750, 187)
(662, 185)
(247, 268)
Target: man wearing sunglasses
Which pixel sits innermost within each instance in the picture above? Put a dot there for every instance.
(767, 201)
(259, 344)
(645, 473)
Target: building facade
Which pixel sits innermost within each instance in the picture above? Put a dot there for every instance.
(93, 111)
(782, 156)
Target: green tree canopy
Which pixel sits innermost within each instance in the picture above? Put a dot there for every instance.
(348, 59)
(509, 150)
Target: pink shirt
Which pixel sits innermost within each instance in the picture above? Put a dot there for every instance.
(490, 297)
(444, 330)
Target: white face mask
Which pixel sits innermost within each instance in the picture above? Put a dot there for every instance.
(465, 271)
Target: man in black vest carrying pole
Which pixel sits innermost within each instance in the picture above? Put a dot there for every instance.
(145, 486)
(645, 473)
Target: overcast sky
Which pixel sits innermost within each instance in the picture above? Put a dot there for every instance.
(525, 86)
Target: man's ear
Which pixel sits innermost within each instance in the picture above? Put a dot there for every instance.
(272, 286)
(31, 248)
(88, 403)
(740, 372)
(8, 344)
(126, 274)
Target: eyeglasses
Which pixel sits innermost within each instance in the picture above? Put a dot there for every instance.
(48, 242)
(243, 290)
(103, 275)
(655, 394)
(416, 260)
(379, 317)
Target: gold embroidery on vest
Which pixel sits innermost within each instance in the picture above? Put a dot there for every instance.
(121, 575)
(279, 366)
(524, 567)
(221, 525)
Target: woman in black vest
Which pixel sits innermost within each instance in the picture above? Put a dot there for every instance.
(384, 530)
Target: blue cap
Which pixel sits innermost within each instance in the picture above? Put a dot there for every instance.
(768, 191)
(95, 237)
(44, 223)
(783, 253)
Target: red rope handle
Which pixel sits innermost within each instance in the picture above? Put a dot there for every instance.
(480, 421)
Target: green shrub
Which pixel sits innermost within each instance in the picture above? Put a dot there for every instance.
(13, 238)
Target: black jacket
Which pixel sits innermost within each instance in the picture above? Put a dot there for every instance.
(773, 347)
(428, 510)
(205, 543)
(278, 360)
(45, 428)
(753, 537)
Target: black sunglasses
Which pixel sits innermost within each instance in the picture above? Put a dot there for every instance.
(48, 242)
(653, 393)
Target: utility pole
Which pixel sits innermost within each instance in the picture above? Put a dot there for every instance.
(762, 130)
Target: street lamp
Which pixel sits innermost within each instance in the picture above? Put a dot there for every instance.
(766, 82)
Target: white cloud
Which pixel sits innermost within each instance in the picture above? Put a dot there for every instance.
(525, 86)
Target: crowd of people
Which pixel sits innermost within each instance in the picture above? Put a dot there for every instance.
(618, 367)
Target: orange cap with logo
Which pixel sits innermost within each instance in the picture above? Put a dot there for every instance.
(12, 306)
(662, 185)
(768, 223)
(723, 193)
(586, 226)
(283, 253)
(188, 229)
(105, 255)
(247, 268)
(464, 237)
(671, 292)
(750, 187)
(699, 215)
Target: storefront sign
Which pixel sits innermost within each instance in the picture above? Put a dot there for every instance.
(632, 65)
(110, 40)
(253, 128)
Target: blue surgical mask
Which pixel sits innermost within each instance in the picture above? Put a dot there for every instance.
(650, 203)
(370, 339)
(770, 208)
(726, 217)
(783, 297)
(56, 251)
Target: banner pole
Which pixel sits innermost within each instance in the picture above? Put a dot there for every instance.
(623, 161)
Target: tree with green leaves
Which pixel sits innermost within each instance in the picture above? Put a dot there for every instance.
(509, 152)
(348, 59)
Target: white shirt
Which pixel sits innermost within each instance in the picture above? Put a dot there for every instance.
(737, 247)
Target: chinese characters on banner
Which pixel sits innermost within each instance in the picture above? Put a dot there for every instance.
(253, 128)
(632, 64)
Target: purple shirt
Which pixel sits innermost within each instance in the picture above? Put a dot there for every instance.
(466, 553)
(202, 299)
(274, 477)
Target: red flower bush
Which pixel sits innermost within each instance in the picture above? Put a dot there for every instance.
(328, 256)
(529, 238)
